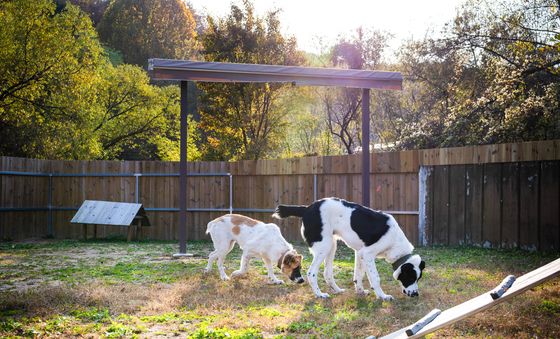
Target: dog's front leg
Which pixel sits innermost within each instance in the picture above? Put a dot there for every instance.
(373, 275)
(328, 273)
(320, 251)
(359, 274)
(270, 270)
(244, 267)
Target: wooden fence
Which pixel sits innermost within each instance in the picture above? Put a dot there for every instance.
(257, 187)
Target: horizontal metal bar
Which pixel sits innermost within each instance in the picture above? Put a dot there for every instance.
(23, 209)
(172, 209)
(35, 174)
(402, 212)
(188, 174)
(29, 174)
(254, 210)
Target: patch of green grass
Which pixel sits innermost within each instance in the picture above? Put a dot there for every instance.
(550, 307)
(221, 333)
(302, 326)
(118, 330)
(93, 315)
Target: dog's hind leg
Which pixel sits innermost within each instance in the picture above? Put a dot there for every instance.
(221, 255)
(320, 251)
(359, 274)
(328, 273)
(244, 267)
(211, 258)
(373, 276)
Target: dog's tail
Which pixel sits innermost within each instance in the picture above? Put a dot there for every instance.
(211, 225)
(284, 211)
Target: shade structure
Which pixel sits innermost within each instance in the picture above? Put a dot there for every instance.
(184, 70)
(187, 71)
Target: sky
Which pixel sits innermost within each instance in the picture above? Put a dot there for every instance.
(312, 20)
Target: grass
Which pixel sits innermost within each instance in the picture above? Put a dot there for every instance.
(118, 289)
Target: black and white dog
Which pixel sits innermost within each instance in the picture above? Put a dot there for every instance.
(370, 233)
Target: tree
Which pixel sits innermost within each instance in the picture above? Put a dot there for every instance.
(492, 78)
(343, 106)
(240, 121)
(60, 97)
(143, 29)
(47, 65)
(138, 120)
(94, 8)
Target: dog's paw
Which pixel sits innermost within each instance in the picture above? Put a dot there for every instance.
(362, 293)
(224, 277)
(323, 295)
(276, 282)
(236, 274)
(339, 290)
(387, 297)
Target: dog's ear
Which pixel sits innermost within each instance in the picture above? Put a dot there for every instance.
(292, 259)
(422, 265)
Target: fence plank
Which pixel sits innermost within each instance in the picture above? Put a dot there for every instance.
(549, 206)
(473, 204)
(440, 225)
(529, 205)
(491, 209)
(510, 205)
(457, 205)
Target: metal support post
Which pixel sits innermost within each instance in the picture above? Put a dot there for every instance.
(365, 147)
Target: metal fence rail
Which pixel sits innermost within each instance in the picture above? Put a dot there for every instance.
(49, 208)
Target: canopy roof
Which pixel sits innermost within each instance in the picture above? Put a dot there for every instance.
(184, 70)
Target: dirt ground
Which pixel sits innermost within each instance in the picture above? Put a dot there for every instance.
(118, 289)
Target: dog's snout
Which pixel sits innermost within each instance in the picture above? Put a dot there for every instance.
(300, 280)
(410, 293)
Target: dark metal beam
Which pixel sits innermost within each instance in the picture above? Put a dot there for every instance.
(184, 70)
(365, 148)
(183, 170)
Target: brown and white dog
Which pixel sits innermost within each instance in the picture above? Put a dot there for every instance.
(256, 239)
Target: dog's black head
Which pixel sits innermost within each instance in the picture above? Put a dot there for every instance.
(291, 266)
(408, 275)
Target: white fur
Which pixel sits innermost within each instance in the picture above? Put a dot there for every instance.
(258, 240)
(336, 225)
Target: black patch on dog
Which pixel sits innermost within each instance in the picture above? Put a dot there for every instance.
(312, 223)
(408, 275)
(367, 223)
(296, 275)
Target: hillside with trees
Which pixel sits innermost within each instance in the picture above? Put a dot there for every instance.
(73, 83)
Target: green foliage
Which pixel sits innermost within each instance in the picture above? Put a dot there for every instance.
(307, 133)
(60, 97)
(93, 314)
(222, 333)
(48, 61)
(492, 78)
(240, 121)
(149, 29)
